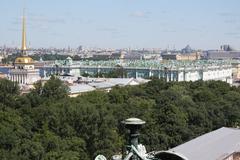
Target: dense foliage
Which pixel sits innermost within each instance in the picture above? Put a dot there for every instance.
(47, 124)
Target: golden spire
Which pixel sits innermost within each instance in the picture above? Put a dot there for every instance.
(24, 46)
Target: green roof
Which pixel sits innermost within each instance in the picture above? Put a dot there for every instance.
(151, 63)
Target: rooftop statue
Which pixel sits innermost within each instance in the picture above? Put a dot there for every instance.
(136, 151)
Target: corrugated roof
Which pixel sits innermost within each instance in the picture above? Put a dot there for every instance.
(120, 81)
(111, 82)
(80, 88)
(101, 85)
(215, 145)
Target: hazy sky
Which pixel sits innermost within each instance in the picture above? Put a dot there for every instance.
(205, 24)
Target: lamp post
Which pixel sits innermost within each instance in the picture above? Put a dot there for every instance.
(134, 125)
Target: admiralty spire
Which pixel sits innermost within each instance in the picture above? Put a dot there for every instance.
(24, 72)
(24, 46)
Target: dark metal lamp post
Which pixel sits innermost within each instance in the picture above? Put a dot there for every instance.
(134, 125)
(137, 151)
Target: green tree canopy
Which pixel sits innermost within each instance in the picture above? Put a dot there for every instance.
(47, 124)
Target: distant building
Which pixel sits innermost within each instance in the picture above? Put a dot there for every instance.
(1, 58)
(78, 89)
(2, 75)
(187, 50)
(102, 56)
(118, 55)
(223, 55)
(133, 56)
(24, 71)
(108, 83)
(236, 71)
(227, 48)
(81, 85)
(152, 57)
(186, 54)
(226, 53)
(169, 70)
(182, 57)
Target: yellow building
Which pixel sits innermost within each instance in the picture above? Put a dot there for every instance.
(2, 75)
(236, 71)
(182, 57)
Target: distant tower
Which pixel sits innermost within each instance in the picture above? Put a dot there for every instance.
(24, 71)
(80, 48)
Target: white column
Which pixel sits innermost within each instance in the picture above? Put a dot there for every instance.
(30, 77)
(23, 78)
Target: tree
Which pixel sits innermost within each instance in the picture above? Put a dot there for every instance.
(54, 89)
(45, 124)
(9, 92)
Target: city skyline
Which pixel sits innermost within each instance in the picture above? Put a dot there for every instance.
(123, 23)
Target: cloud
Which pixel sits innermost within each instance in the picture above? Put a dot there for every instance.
(140, 14)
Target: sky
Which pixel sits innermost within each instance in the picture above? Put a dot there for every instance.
(203, 24)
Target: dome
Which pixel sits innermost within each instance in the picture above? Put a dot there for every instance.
(187, 49)
(23, 60)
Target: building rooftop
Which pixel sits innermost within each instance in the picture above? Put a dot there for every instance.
(80, 88)
(111, 82)
(215, 145)
(123, 81)
(154, 64)
(24, 60)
